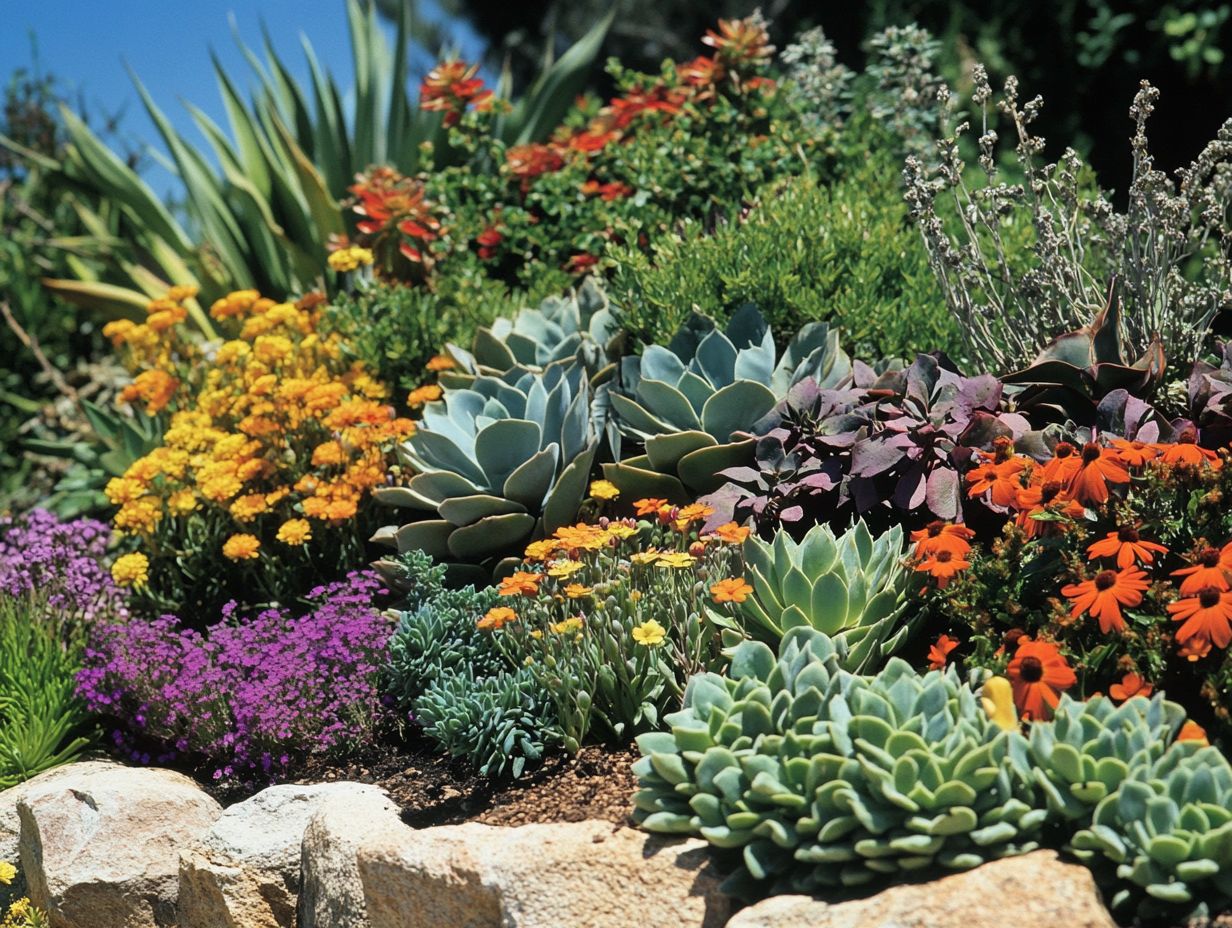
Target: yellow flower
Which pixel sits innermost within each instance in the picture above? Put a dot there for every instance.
(428, 393)
(294, 532)
(997, 698)
(440, 362)
(349, 258)
(242, 547)
(621, 530)
(131, 570)
(604, 489)
(571, 624)
(538, 550)
(182, 502)
(577, 591)
(7, 872)
(677, 559)
(496, 618)
(563, 569)
(649, 634)
(649, 556)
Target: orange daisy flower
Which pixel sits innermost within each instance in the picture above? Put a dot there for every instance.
(943, 566)
(1105, 594)
(1210, 569)
(732, 533)
(1064, 464)
(1126, 546)
(521, 583)
(1186, 451)
(496, 618)
(1001, 481)
(942, 536)
(1207, 616)
(1135, 453)
(1131, 685)
(649, 506)
(1038, 674)
(1045, 497)
(939, 651)
(1100, 466)
(734, 590)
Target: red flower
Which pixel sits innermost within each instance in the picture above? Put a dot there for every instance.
(1104, 596)
(489, 241)
(940, 650)
(526, 162)
(1135, 453)
(581, 263)
(1064, 464)
(450, 87)
(1000, 480)
(1038, 674)
(740, 41)
(613, 190)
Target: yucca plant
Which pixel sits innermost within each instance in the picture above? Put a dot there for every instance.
(262, 219)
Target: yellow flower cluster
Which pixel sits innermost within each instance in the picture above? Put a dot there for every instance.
(274, 422)
(349, 258)
(131, 570)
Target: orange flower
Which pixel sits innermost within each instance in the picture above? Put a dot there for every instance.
(440, 362)
(521, 583)
(1048, 497)
(694, 512)
(1211, 569)
(1131, 685)
(732, 533)
(1064, 464)
(496, 618)
(734, 590)
(428, 393)
(1100, 466)
(1135, 453)
(1207, 616)
(1104, 596)
(1126, 546)
(450, 87)
(1192, 731)
(1001, 481)
(1038, 674)
(940, 650)
(939, 536)
(649, 506)
(943, 566)
(1186, 452)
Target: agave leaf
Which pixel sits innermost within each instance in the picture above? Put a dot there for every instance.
(665, 451)
(491, 535)
(636, 479)
(702, 470)
(430, 536)
(735, 408)
(464, 510)
(566, 498)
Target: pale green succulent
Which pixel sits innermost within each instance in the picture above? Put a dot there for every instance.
(1167, 831)
(823, 779)
(687, 402)
(1090, 748)
(852, 587)
(496, 465)
(579, 326)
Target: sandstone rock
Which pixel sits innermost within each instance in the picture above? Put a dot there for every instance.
(244, 872)
(100, 847)
(591, 874)
(10, 821)
(1034, 889)
(331, 895)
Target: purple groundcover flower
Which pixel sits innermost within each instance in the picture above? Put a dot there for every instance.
(62, 562)
(246, 697)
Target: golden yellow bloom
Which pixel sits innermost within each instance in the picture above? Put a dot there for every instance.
(242, 547)
(155, 387)
(571, 624)
(563, 569)
(496, 618)
(249, 506)
(295, 531)
(7, 872)
(428, 393)
(520, 583)
(182, 502)
(604, 489)
(578, 591)
(621, 530)
(649, 556)
(349, 258)
(440, 362)
(328, 454)
(649, 634)
(731, 533)
(676, 559)
(131, 570)
(181, 292)
(538, 550)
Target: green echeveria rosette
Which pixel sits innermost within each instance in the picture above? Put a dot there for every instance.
(824, 780)
(496, 465)
(689, 403)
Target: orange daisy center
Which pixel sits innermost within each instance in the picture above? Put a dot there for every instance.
(1031, 670)
(1105, 580)
(1209, 597)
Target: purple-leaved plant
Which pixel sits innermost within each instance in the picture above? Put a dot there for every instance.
(61, 562)
(246, 699)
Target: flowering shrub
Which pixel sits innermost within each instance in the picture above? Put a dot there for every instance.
(1110, 572)
(611, 617)
(273, 441)
(244, 700)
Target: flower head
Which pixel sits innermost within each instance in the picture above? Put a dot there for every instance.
(649, 634)
(1038, 674)
(943, 566)
(241, 547)
(1099, 466)
(295, 532)
(520, 583)
(734, 590)
(1105, 594)
(604, 489)
(942, 536)
(1126, 546)
(131, 570)
(1207, 617)
(496, 618)
(939, 651)
(1131, 685)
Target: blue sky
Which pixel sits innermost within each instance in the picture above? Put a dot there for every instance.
(87, 43)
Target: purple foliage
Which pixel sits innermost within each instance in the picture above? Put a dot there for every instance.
(245, 699)
(62, 563)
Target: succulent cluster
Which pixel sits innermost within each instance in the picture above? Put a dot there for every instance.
(496, 464)
(688, 403)
(853, 588)
(823, 779)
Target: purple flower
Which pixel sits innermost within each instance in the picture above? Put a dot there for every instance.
(246, 697)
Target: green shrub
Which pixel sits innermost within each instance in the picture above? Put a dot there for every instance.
(844, 254)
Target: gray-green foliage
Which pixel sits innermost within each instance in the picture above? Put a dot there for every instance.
(456, 685)
(852, 587)
(686, 402)
(842, 253)
(41, 718)
(1167, 831)
(497, 463)
(824, 779)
